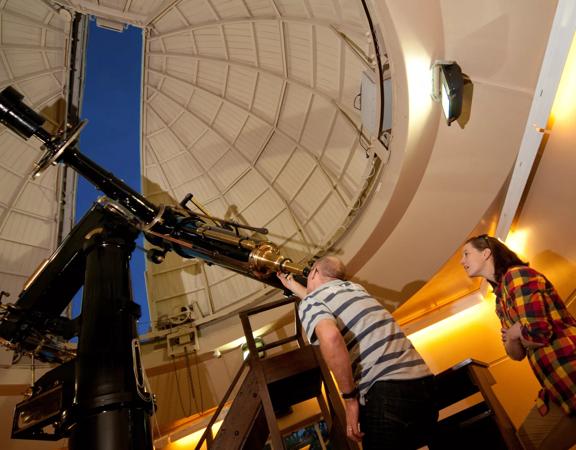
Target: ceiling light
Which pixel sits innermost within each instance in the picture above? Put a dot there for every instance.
(447, 88)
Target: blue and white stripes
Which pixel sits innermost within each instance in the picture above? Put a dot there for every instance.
(378, 348)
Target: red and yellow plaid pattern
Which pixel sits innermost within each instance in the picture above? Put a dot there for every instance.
(526, 295)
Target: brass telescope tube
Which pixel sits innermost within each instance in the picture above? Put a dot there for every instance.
(264, 257)
(267, 258)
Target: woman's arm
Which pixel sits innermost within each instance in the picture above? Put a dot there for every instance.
(514, 334)
(513, 346)
(526, 290)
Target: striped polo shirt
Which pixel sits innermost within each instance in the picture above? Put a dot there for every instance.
(378, 348)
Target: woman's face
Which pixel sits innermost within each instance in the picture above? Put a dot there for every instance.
(474, 261)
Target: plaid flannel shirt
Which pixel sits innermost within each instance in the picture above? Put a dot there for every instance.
(525, 295)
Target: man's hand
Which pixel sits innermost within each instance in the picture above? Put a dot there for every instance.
(291, 284)
(352, 421)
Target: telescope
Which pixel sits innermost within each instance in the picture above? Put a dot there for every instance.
(97, 395)
(170, 228)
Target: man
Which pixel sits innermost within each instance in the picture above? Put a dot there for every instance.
(386, 386)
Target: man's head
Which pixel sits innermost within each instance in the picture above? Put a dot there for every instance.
(326, 269)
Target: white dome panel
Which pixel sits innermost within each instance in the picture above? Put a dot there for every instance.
(318, 126)
(209, 149)
(204, 105)
(20, 261)
(218, 207)
(351, 13)
(264, 209)
(342, 143)
(299, 41)
(274, 157)
(179, 282)
(211, 76)
(27, 10)
(21, 227)
(20, 31)
(182, 43)
(254, 90)
(328, 62)
(165, 145)
(33, 54)
(311, 196)
(153, 123)
(229, 121)
(233, 289)
(182, 167)
(225, 9)
(209, 41)
(203, 188)
(167, 109)
(252, 138)
(294, 174)
(24, 62)
(188, 129)
(286, 234)
(325, 9)
(154, 180)
(260, 8)
(240, 86)
(248, 188)
(270, 52)
(154, 80)
(196, 12)
(268, 97)
(179, 67)
(37, 200)
(294, 110)
(324, 225)
(228, 169)
(38, 86)
(354, 176)
(293, 8)
(177, 91)
(8, 184)
(240, 39)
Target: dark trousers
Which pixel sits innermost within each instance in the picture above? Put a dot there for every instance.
(399, 414)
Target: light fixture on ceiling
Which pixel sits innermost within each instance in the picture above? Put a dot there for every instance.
(447, 88)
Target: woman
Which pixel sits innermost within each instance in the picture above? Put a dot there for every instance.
(536, 324)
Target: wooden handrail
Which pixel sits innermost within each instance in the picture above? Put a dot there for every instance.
(207, 435)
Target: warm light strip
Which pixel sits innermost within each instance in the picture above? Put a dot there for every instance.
(192, 439)
(517, 242)
(564, 106)
(450, 325)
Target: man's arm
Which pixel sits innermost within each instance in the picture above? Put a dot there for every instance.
(336, 355)
(291, 284)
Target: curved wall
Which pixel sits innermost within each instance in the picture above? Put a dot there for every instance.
(448, 176)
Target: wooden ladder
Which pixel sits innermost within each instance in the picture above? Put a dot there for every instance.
(275, 383)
